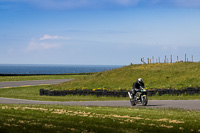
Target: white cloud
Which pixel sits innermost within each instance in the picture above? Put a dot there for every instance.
(44, 43)
(35, 45)
(47, 37)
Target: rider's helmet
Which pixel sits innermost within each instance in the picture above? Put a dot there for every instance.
(140, 80)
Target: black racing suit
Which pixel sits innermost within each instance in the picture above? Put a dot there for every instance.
(136, 87)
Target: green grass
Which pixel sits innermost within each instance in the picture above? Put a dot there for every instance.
(32, 93)
(54, 118)
(176, 75)
(37, 77)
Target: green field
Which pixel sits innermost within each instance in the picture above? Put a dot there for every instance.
(37, 77)
(49, 118)
(175, 75)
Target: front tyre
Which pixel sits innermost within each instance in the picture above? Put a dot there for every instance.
(144, 100)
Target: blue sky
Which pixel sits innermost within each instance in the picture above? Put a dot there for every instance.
(104, 32)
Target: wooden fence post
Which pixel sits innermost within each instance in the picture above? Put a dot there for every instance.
(171, 58)
(185, 57)
(192, 58)
(166, 60)
(177, 58)
(141, 60)
(152, 59)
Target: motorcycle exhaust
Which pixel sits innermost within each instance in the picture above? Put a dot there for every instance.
(129, 94)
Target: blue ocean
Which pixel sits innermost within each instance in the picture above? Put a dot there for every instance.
(53, 69)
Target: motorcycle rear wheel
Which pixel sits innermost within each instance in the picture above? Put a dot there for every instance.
(133, 103)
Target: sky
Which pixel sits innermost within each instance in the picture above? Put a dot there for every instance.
(98, 32)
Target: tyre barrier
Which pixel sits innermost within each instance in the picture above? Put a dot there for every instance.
(98, 93)
(187, 91)
(119, 93)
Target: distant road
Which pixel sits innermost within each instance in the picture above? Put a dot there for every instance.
(178, 104)
(31, 83)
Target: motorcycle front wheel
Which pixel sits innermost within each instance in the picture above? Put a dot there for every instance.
(144, 100)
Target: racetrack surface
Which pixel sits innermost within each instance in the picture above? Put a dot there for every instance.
(178, 104)
(31, 83)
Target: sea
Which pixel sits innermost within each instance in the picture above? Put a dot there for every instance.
(53, 69)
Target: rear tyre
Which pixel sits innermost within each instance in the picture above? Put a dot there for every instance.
(144, 100)
(133, 103)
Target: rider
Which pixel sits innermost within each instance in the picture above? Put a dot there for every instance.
(137, 86)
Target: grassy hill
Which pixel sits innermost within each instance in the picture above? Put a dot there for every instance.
(175, 75)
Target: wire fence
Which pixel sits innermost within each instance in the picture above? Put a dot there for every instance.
(166, 59)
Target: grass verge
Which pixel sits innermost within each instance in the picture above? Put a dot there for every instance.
(32, 93)
(54, 118)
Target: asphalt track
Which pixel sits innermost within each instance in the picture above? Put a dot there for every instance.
(31, 83)
(176, 104)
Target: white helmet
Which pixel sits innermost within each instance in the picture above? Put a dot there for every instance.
(140, 80)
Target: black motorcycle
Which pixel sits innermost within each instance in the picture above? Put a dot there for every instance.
(139, 97)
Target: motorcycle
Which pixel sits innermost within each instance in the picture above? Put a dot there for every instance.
(139, 97)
